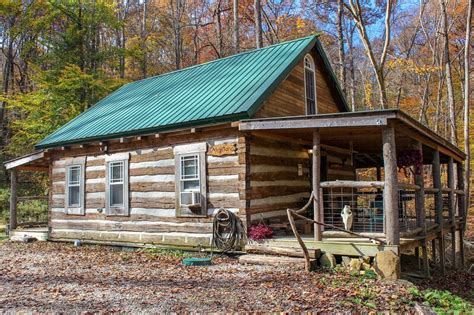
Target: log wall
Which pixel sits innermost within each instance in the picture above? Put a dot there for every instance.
(274, 182)
(152, 214)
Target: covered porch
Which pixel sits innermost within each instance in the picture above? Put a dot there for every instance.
(390, 210)
(28, 213)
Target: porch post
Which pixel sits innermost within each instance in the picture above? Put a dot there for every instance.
(420, 194)
(316, 184)
(439, 207)
(390, 192)
(420, 210)
(460, 212)
(13, 199)
(452, 213)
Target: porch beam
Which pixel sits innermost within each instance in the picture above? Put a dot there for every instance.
(439, 207)
(9, 165)
(13, 199)
(312, 123)
(316, 180)
(390, 193)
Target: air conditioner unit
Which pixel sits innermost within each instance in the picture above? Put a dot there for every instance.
(190, 198)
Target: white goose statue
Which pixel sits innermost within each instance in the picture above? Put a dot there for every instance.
(346, 215)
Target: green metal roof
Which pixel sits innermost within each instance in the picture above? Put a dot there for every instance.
(223, 90)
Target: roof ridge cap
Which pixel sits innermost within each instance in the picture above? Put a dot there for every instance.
(227, 57)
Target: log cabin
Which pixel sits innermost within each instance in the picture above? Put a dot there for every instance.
(256, 133)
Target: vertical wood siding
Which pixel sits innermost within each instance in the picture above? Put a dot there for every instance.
(289, 98)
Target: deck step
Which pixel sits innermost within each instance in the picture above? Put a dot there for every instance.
(272, 260)
(41, 234)
(289, 251)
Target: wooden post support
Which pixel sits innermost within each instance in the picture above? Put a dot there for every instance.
(439, 207)
(420, 194)
(452, 213)
(420, 210)
(390, 192)
(316, 183)
(460, 213)
(13, 199)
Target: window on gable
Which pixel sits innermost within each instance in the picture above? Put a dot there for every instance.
(310, 85)
(117, 188)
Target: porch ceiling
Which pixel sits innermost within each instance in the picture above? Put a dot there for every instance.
(360, 131)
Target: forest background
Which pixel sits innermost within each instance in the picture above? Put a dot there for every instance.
(59, 57)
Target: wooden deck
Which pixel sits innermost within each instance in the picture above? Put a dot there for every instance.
(359, 246)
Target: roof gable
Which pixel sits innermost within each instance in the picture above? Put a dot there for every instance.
(223, 90)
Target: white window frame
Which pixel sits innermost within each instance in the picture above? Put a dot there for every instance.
(182, 180)
(113, 209)
(183, 151)
(74, 209)
(308, 59)
(70, 184)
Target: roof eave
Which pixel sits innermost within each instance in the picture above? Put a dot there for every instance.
(212, 121)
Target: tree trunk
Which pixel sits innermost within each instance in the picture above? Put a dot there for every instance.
(439, 100)
(350, 43)
(177, 32)
(236, 26)
(378, 67)
(258, 23)
(424, 100)
(340, 42)
(8, 77)
(143, 38)
(467, 98)
(220, 40)
(449, 79)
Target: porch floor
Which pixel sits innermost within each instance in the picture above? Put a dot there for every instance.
(357, 246)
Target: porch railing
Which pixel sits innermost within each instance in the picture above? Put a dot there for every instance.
(366, 200)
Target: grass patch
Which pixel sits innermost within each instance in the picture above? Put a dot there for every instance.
(442, 301)
(176, 253)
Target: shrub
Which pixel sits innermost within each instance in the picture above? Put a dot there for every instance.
(4, 204)
(260, 232)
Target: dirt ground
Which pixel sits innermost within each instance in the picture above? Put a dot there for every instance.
(58, 277)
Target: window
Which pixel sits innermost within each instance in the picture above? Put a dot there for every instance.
(310, 85)
(117, 188)
(74, 186)
(191, 179)
(116, 184)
